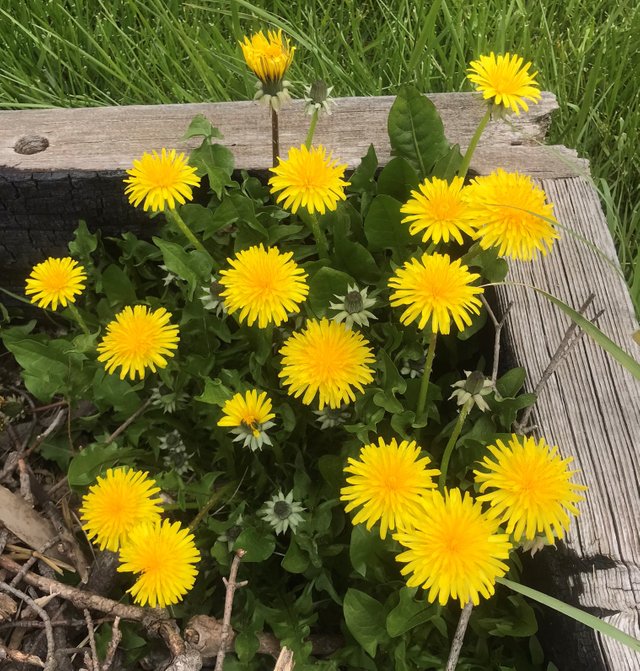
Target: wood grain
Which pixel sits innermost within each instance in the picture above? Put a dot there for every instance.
(589, 409)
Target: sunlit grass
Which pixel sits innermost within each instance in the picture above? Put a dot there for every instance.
(106, 52)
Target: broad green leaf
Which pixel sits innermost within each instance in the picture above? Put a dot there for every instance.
(398, 179)
(324, 285)
(509, 384)
(357, 261)
(258, 544)
(362, 179)
(448, 165)
(409, 613)
(117, 286)
(367, 551)
(575, 613)
(382, 225)
(415, 130)
(215, 392)
(295, 560)
(194, 267)
(83, 243)
(365, 619)
(94, 460)
(200, 126)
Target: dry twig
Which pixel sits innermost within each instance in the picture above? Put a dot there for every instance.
(458, 637)
(231, 585)
(20, 657)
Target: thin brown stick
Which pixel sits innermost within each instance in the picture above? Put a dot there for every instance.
(458, 637)
(40, 438)
(231, 585)
(498, 325)
(50, 663)
(20, 657)
(95, 661)
(35, 555)
(128, 421)
(42, 408)
(116, 637)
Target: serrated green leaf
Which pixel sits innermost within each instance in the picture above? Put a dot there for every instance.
(194, 266)
(409, 613)
(94, 460)
(362, 179)
(215, 392)
(200, 126)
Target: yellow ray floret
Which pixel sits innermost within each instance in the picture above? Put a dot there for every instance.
(388, 480)
(136, 339)
(161, 180)
(439, 210)
(116, 504)
(505, 80)
(328, 360)
(437, 289)
(268, 57)
(264, 285)
(310, 179)
(512, 214)
(55, 282)
(530, 488)
(164, 556)
(453, 549)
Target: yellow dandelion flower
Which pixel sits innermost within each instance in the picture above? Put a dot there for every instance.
(264, 285)
(309, 178)
(508, 209)
(388, 481)
(250, 417)
(55, 281)
(326, 359)
(505, 80)
(136, 339)
(532, 488)
(438, 289)
(439, 211)
(161, 180)
(453, 549)
(164, 555)
(268, 57)
(117, 503)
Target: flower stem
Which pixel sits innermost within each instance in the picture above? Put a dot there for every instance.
(426, 376)
(213, 499)
(458, 637)
(78, 317)
(312, 129)
(275, 138)
(321, 238)
(174, 217)
(444, 467)
(466, 161)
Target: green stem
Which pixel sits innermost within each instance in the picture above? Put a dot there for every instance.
(174, 217)
(275, 138)
(448, 450)
(466, 161)
(214, 498)
(426, 376)
(312, 129)
(321, 238)
(78, 317)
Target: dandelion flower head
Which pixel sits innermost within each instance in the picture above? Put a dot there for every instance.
(249, 415)
(326, 359)
(55, 282)
(161, 180)
(453, 549)
(264, 284)
(437, 289)
(439, 210)
(309, 178)
(388, 480)
(511, 213)
(529, 488)
(117, 503)
(268, 57)
(506, 80)
(138, 338)
(164, 556)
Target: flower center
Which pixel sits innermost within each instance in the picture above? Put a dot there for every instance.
(282, 510)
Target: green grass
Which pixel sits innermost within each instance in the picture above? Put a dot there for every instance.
(106, 52)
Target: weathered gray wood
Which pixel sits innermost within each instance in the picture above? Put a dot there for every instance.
(104, 139)
(590, 409)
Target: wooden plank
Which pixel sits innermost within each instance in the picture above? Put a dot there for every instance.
(590, 409)
(103, 139)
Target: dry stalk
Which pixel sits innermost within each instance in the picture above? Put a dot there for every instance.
(231, 585)
(458, 637)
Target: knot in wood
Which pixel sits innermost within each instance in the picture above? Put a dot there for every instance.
(30, 144)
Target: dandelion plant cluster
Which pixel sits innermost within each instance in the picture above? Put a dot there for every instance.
(298, 362)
